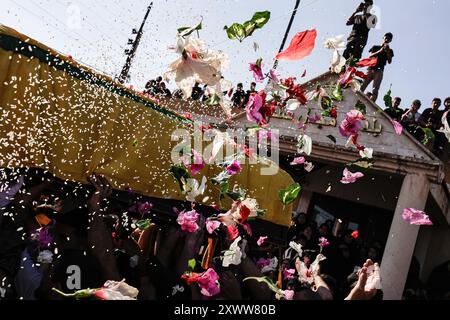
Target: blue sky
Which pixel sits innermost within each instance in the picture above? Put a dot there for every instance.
(98, 35)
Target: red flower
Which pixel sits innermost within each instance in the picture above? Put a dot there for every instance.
(294, 91)
(245, 213)
(333, 113)
(189, 116)
(355, 234)
(233, 233)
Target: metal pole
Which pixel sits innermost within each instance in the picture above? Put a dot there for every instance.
(126, 69)
(288, 30)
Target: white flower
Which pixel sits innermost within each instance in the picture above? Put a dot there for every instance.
(297, 247)
(366, 153)
(192, 188)
(273, 265)
(336, 43)
(233, 255)
(446, 127)
(309, 166)
(196, 64)
(304, 144)
(293, 108)
(122, 288)
(45, 257)
(252, 205)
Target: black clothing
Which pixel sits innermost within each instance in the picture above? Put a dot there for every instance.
(382, 57)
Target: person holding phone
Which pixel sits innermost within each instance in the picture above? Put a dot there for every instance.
(362, 21)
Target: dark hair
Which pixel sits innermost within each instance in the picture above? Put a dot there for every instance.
(437, 100)
(398, 98)
(417, 101)
(389, 35)
(447, 99)
(253, 84)
(159, 79)
(240, 85)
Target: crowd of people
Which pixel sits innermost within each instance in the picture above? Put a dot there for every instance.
(427, 126)
(51, 232)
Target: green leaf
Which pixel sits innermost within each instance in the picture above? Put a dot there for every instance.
(261, 18)
(191, 264)
(236, 31)
(186, 31)
(213, 101)
(429, 135)
(327, 103)
(388, 98)
(179, 173)
(136, 143)
(241, 31)
(337, 93)
(361, 107)
(288, 195)
(144, 224)
(267, 281)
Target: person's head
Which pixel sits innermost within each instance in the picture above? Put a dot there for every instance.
(436, 103)
(308, 232)
(240, 86)
(396, 102)
(416, 105)
(388, 37)
(301, 219)
(301, 239)
(323, 230)
(163, 85)
(447, 103)
(253, 86)
(159, 79)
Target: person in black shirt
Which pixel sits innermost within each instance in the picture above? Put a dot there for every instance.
(362, 23)
(395, 112)
(238, 96)
(197, 92)
(431, 117)
(384, 55)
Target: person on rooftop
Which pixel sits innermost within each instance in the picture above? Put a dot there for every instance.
(395, 112)
(384, 55)
(362, 21)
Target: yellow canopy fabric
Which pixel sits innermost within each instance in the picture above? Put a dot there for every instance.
(63, 117)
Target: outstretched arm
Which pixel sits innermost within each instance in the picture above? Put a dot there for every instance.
(99, 238)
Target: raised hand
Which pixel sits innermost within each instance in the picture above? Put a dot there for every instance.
(366, 287)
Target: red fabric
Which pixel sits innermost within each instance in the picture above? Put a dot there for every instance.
(301, 46)
(368, 62)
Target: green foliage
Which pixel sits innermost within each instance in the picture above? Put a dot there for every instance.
(241, 31)
(288, 195)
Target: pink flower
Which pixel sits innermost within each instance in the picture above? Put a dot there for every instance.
(234, 168)
(289, 294)
(248, 229)
(323, 242)
(288, 274)
(398, 127)
(352, 124)
(142, 208)
(350, 177)
(257, 72)
(209, 284)
(188, 221)
(298, 161)
(416, 217)
(196, 165)
(273, 76)
(254, 104)
(261, 241)
(43, 237)
(355, 234)
(261, 263)
(212, 225)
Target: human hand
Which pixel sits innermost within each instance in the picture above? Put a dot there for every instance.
(102, 190)
(365, 288)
